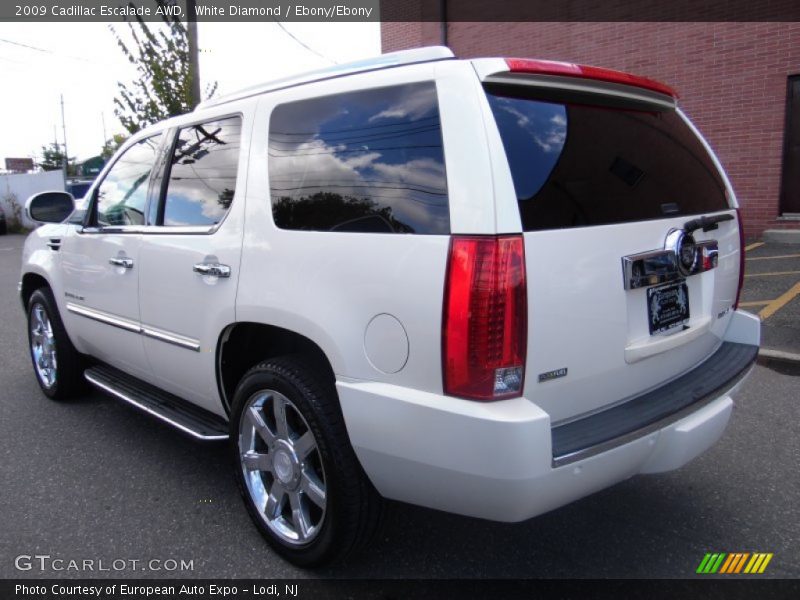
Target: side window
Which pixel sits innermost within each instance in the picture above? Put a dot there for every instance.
(202, 173)
(122, 195)
(366, 161)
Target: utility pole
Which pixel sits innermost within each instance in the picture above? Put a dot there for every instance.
(194, 66)
(64, 128)
(105, 135)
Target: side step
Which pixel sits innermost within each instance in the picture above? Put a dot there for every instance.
(195, 421)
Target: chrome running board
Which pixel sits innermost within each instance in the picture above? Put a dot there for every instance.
(188, 418)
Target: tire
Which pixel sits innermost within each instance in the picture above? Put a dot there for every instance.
(302, 483)
(56, 363)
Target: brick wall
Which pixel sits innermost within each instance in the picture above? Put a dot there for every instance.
(731, 78)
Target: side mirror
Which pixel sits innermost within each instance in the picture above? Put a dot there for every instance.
(49, 207)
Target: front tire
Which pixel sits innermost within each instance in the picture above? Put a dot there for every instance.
(56, 362)
(299, 477)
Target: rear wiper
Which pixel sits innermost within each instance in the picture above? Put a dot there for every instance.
(707, 223)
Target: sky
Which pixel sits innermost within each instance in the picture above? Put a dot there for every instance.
(41, 61)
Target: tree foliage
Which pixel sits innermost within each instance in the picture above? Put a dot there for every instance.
(53, 159)
(112, 145)
(163, 87)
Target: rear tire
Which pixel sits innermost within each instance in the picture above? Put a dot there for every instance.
(298, 475)
(58, 366)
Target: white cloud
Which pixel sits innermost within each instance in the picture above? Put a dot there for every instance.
(416, 104)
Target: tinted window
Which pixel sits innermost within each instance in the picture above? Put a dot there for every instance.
(202, 175)
(577, 165)
(368, 161)
(122, 195)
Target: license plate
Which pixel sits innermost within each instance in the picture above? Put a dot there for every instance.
(667, 307)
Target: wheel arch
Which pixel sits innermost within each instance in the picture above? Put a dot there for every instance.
(243, 345)
(31, 282)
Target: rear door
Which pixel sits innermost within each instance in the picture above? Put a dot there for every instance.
(190, 255)
(624, 292)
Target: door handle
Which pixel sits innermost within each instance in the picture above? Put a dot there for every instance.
(121, 262)
(212, 269)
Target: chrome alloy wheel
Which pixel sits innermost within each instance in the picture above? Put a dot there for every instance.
(43, 346)
(282, 467)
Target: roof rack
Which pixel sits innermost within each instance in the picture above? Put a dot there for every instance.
(392, 59)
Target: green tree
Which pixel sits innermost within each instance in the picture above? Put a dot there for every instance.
(53, 159)
(163, 87)
(112, 145)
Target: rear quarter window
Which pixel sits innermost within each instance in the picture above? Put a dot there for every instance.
(577, 165)
(367, 161)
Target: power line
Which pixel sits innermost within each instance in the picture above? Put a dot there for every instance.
(47, 51)
(303, 44)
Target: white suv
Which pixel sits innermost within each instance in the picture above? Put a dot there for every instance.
(489, 286)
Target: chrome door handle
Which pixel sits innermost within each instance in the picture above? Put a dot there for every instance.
(121, 262)
(212, 269)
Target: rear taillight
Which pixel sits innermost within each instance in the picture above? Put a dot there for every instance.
(741, 257)
(485, 329)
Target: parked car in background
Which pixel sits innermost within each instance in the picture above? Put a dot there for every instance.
(487, 286)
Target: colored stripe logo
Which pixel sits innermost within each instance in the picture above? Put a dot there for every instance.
(734, 563)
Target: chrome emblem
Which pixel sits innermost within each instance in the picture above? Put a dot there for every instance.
(685, 249)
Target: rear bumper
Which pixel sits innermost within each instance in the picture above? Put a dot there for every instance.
(656, 409)
(495, 460)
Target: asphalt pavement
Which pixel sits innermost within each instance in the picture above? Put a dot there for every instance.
(95, 480)
(772, 290)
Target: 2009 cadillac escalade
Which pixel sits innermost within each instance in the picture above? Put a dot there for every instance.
(488, 286)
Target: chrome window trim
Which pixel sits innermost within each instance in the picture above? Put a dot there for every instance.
(181, 230)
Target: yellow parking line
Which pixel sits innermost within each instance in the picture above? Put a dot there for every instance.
(774, 257)
(754, 303)
(773, 274)
(779, 302)
(753, 246)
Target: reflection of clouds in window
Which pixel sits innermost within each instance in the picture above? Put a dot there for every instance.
(334, 163)
(415, 103)
(203, 172)
(122, 195)
(546, 123)
(534, 135)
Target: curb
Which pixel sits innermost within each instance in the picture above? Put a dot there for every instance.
(786, 363)
(769, 354)
(781, 236)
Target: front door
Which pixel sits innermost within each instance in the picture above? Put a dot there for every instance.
(101, 263)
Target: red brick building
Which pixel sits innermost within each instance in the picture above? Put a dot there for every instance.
(734, 79)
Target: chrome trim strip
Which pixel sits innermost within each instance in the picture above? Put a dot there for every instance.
(169, 338)
(662, 266)
(649, 268)
(102, 317)
(584, 453)
(115, 392)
